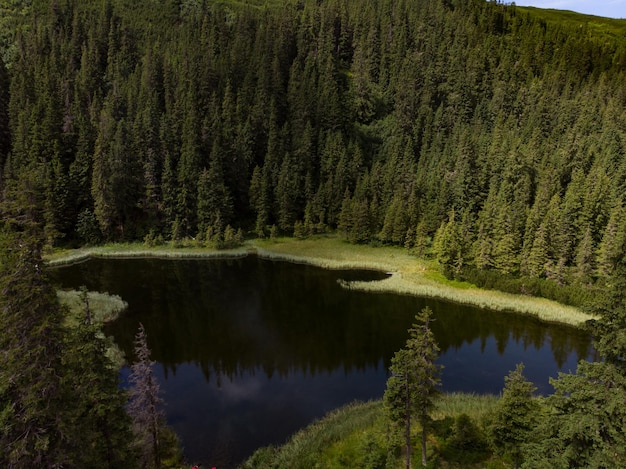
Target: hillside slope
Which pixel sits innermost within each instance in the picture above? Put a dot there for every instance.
(492, 135)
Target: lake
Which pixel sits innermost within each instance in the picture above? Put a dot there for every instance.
(249, 351)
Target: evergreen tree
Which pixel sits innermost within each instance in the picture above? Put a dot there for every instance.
(155, 441)
(585, 258)
(612, 247)
(413, 385)
(516, 416)
(585, 426)
(5, 136)
(33, 427)
(116, 111)
(102, 435)
(214, 200)
(452, 244)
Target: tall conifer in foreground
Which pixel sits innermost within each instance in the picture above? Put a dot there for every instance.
(157, 444)
(413, 385)
(516, 415)
(31, 414)
(586, 426)
(145, 405)
(101, 426)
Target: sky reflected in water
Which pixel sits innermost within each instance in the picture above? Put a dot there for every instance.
(249, 351)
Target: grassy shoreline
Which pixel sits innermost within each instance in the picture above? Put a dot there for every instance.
(358, 434)
(408, 275)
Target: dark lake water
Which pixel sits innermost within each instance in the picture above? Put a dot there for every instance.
(248, 351)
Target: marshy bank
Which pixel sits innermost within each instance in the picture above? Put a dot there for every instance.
(409, 275)
(358, 435)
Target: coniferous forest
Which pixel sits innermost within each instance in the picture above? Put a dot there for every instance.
(483, 131)
(490, 136)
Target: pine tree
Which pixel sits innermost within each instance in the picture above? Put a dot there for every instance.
(585, 426)
(451, 244)
(585, 258)
(214, 200)
(612, 247)
(413, 385)
(506, 242)
(5, 136)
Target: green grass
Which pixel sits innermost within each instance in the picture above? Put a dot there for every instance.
(103, 306)
(138, 250)
(359, 436)
(340, 439)
(409, 275)
(476, 406)
(598, 26)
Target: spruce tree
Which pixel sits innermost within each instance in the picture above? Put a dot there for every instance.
(34, 429)
(585, 426)
(154, 440)
(102, 435)
(515, 417)
(5, 136)
(413, 385)
(60, 404)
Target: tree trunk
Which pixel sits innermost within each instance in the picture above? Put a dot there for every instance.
(424, 440)
(407, 427)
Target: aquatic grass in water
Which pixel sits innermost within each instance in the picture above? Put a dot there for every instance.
(411, 276)
(546, 310)
(103, 306)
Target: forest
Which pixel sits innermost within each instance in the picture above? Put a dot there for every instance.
(488, 136)
(481, 133)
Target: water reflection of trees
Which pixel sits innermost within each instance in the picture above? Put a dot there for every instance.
(249, 315)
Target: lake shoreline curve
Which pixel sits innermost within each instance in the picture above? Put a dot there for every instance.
(408, 275)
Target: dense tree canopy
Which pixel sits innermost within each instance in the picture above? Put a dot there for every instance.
(60, 404)
(488, 135)
(494, 129)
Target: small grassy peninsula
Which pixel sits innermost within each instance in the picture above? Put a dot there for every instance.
(411, 275)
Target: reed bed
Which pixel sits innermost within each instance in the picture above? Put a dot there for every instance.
(127, 251)
(476, 406)
(332, 253)
(541, 308)
(104, 307)
(309, 447)
(412, 276)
